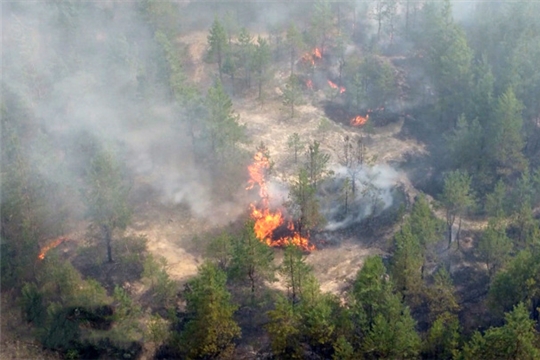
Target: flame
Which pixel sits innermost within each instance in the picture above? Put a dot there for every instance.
(50, 246)
(309, 84)
(334, 86)
(266, 220)
(316, 54)
(359, 120)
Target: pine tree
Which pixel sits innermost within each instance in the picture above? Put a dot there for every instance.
(442, 295)
(252, 260)
(495, 204)
(353, 157)
(442, 339)
(343, 350)
(295, 271)
(294, 143)
(303, 204)
(220, 249)
(456, 199)
(322, 23)
(292, 95)
(222, 127)
(317, 164)
(371, 289)
(294, 44)
(494, 246)
(407, 264)
(106, 197)
(516, 283)
(217, 42)
(424, 225)
(505, 138)
(392, 334)
(261, 62)
(284, 330)
(317, 312)
(246, 54)
(211, 330)
(515, 340)
(465, 139)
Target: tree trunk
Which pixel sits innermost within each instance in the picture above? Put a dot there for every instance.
(449, 223)
(219, 65)
(379, 29)
(260, 87)
(107, 235)
(346, 202)
(341, 63)
(339, 18)
(407, 18)
(392, 31)
(252, 281)
(293, 287)
(449, 235)
(292, 61)
(458, 233)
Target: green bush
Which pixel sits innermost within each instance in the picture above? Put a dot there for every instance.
(32, 304)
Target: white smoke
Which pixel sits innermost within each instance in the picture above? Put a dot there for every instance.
(373, 194)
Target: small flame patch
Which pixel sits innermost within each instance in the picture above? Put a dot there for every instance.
(359, 120)
(51, 246)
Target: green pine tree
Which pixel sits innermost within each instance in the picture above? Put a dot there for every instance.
(106, 197)
(217, 42)
(211, 330)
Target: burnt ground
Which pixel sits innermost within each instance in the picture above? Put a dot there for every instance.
(341, 114)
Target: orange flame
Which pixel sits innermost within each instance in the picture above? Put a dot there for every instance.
(359, 120)
(316, 54)
(334, 86)
(266, 220)
(51, 246)
(309, 84)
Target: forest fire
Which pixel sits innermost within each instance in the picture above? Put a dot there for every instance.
(359, 120)
(315, 55)
(334, 86)
(266, 220)
(51, 246)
